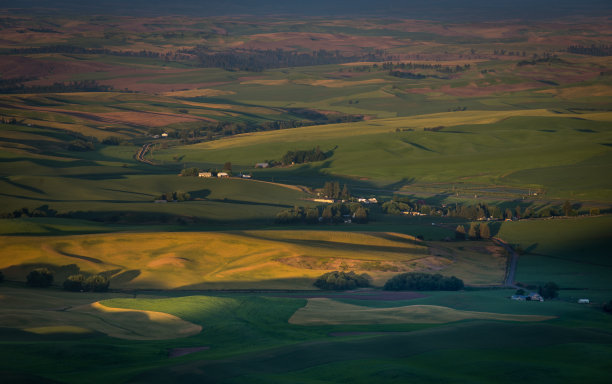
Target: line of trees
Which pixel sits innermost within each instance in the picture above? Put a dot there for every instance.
(174, 196)
(58, 87)
(329, 214)
(76, 50)
(331, 190)
(259, 60)
(476, 231)
(417, 281)
(592, 50)
(389, 66)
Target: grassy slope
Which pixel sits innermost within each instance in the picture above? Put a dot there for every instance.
(512, 148)
(250, 259)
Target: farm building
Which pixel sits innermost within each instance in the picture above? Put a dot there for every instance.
(164, 134)
(530, 297)
(262, 165)
(222, 175)
(205, 174)
(583, 301)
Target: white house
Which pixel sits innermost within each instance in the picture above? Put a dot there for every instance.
(583, 301)
(222, 174)
(205, 174)
(164, 134)
(262, 165)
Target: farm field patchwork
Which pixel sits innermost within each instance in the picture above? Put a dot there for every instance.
(464, 146)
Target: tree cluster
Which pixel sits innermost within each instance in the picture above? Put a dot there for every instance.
(409, 75)
(111, 140)
(174, 196)
(549, 290)
(417, 281)
(43, 211)
(333, 213)
(194, 172)
(80, 283)
(331, 190)
(81, 145)
(304, 156)
(476, 231)
(338, 280)
(398, 205)
(39, 277)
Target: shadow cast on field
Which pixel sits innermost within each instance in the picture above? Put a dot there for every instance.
(334, 244)
(307, 356)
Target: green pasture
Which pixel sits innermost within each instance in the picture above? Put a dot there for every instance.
(248, 338)
(499, 148)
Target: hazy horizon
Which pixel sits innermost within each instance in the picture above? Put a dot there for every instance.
(445, 10)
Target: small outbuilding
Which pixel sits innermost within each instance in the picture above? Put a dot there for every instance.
(583, 301)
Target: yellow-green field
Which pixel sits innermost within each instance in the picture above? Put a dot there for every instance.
(53, 312)
(243, 259)
(322, 311)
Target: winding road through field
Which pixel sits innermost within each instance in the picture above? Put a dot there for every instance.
(140, 155)
(511, 269)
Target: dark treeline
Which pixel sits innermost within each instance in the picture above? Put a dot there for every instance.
(73, 86)
(408, 75)
(550, 59)
(593, 50)
(259, 60)
(73, 49)
(415, 281)
(402, 67)
(389, 66)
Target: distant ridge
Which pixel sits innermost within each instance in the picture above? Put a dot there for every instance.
(445, 10)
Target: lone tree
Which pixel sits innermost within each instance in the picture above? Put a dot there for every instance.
(40, 277)
(473, 232)
(460, 232)
(550, 290)
(567, 208)
(361, 215)
(485, 232)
